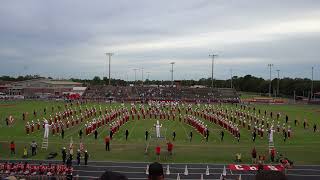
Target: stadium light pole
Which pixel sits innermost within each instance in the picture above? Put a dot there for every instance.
(278, 83)
(142, 75)
(172, 63)
(109, 54)
(270, 66)
(135, 75)
(311, 94)
(212, 65)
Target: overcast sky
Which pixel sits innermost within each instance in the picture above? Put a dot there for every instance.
(70, 38)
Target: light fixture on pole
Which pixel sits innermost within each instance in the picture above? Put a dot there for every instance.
(109, 54)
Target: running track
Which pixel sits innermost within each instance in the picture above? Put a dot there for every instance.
(137, 170)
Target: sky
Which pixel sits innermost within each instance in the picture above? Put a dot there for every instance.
(64, 39)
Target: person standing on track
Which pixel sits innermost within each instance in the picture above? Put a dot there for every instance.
(86, 157)
(158, 150)
(190, 136)
(78, 157)
(174, 136)
(12, 148)
(64, 155)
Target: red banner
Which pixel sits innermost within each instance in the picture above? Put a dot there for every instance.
(238, 167)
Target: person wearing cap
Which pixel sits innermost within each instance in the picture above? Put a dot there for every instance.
(64, 155)
(155, 171)
(86, 156)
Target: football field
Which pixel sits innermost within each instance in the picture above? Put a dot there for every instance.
(302, 148)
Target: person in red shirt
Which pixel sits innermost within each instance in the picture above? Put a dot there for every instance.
(12, 147)
(254, 155)
(107, 141)
(272, 154)
(158, 150)
(170, 148)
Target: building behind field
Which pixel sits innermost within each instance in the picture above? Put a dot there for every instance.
(43, 88)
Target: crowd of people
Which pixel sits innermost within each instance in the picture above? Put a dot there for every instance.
(25, 169)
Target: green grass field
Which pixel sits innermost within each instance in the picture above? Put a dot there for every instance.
(302, 148)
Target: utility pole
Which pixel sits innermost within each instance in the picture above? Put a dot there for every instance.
(278, 83)
(270, 65)
(109, 54)
(231, 78)
(212, 65)
(135, 75)
(148, 74)
(311, 92)
(172, 63)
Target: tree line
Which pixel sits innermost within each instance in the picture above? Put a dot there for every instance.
(248, 83)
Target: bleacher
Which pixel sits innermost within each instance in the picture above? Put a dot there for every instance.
(138, 93)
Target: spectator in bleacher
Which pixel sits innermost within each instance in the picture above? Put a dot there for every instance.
(155, 171)
(12, 147)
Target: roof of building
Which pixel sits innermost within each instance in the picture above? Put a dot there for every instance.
(49, 81)
(60, 82)
(79, 88)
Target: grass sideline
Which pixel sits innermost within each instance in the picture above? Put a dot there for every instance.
(303, 148)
